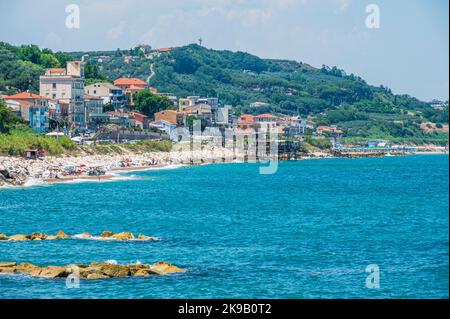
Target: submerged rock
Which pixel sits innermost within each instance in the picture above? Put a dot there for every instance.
(163, 268)
(144, 237)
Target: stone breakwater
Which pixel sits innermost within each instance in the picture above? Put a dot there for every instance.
(17, 171)
(122, 236)
(95, 270)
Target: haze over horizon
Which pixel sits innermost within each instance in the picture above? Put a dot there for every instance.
(408, 53)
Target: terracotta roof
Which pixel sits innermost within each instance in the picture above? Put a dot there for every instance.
(246, 119)
(27, 95)
(56, 70)
(129, 81)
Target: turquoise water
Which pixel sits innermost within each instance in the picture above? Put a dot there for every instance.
(308, 231)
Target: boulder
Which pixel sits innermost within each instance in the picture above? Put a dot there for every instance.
(115, 270)
(143, 237)
(96, 275)
(27, 268)
(3, 237)
(51, 237)
(7, 270)
(143, 273)
(52, 272)
(123, 236)
(61, 235)
(106, 234)
(86, 235)
(20, 237)
(38, 236)
(8, 264)
(163, 268)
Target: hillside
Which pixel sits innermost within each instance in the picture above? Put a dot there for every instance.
(328, 95)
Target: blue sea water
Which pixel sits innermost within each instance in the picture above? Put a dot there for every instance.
(308, 231)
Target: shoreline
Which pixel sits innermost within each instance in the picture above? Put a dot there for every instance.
(113, 165)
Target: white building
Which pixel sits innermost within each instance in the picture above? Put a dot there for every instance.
(66, 85)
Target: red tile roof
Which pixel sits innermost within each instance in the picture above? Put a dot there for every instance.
(129, 81)
(265, 116)
(27, 95)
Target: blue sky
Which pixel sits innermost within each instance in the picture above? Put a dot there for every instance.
(408, 53)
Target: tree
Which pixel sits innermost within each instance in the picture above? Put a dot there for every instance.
(148, 103)
(7, 118)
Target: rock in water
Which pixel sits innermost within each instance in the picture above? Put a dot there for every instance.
(96, 275)
(115, 270)
(61, 235)
(38, 236)
(52, 272)
(163, 268)
(123, 236)
(20, 237)
(8, 264)
(3, 237)
(86, 235)
(106, 234)
(143, 237)
(144, 273)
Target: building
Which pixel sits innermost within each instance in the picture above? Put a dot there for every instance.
(164, 126)
(110, 93)
(66, 85)
(246, 121)
(38, 118)
(130, 87)
(94, 111)
(22, 103)
(224, 115)
(140, 120)
(170, 116)
(183, 104)
(331, 130)
(259, 104)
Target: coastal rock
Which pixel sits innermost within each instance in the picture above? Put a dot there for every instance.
(51, 272)
(123, 236)
(143, 273)
(7, 270)
(62, 235)
(115, 270)
(38, 236)
(8, 264)
(96, 275)
(163, 268)
(86, 235)
(27, 268)
(20, 237)
(51, 237)
(144, 237)
(106, 234)
(3, 237)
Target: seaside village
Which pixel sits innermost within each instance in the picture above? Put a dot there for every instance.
(104, 113)
(84, 111)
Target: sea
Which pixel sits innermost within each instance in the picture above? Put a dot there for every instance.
(325, 228)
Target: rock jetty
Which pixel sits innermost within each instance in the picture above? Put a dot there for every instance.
(122, 236)
(92, 271)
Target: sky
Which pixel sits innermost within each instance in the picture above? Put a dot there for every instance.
(408, 53)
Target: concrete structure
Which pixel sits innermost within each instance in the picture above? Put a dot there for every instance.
(140, 120)
(38, 118)
(66, 85)
(110, 93)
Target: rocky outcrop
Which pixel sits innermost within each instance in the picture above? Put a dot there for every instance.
(13, 176)
(61, 235)
(20, 237)
(123, 236)
(93, 271)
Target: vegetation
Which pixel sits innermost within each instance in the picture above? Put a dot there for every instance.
(148, 103)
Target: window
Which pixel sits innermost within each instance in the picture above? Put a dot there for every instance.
(54, 96)
(53, 85)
